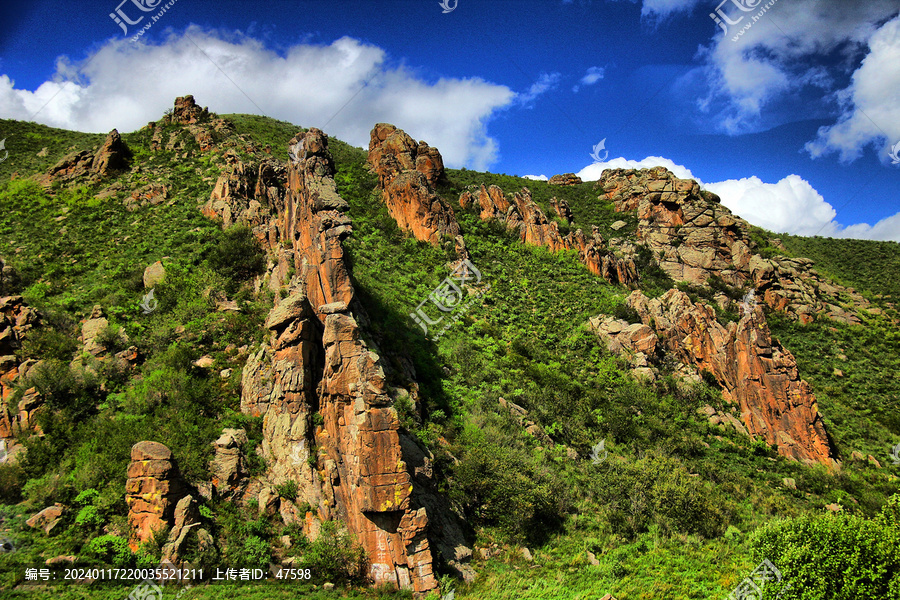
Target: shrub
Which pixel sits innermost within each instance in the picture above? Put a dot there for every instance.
(504, 487)
(835, 557)
(11, 479)
(658, 490)
(238, 255)
(89, 518)
(287, 490)
(335, 556)
(255, 553)
(111, 550)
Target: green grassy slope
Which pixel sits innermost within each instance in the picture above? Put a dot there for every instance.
(671, 513)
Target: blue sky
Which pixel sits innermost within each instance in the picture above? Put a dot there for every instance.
(791, 123)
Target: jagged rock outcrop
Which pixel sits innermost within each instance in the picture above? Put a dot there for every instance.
(16, 320)
(152, 491)
(522, 214)
(561, 208)
(187, 112)
(206, 130)
(565, 179)
(694, 238)
(352, 465)
(229, 465)
(755, 372)
(186, 524)
(636, 342)
(112, 157)
(407, 173)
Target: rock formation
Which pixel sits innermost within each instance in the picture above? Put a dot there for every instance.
(694, 238)
(112, 157)
(152, 490)
(755, 372)
(523, 215)
(16, 320)
(565, 179)
(407, 173)
(349, 462)
(229, 465)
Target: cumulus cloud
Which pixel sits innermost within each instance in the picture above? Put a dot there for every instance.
(536, 177)
(871, 103)
(344, 87)
(791, 205)
(799, 46)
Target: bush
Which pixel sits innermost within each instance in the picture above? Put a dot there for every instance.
(89, 518)
(504, 487)
(287, 490)
(658, 490)
(111, 550)
(335, 557)
(11, 479)
(238, 255)
(255, 553)
(835, 557)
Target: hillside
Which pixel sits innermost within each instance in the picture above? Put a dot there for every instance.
(602, 408)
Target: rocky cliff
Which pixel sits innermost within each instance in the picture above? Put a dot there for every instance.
(329, 421)
(694, 238)
(756, 373)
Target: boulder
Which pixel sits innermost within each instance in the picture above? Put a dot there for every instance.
(48, 519)
(154, 274)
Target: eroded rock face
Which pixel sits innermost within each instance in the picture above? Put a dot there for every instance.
(352, 465)
(229, 466)
(756, 373)
(152, 490)
(112, 157)
(407, 173)
(187, 112)
(695, 238)
(522, 214)
(16, 320)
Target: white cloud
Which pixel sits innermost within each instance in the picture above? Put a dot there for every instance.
(871, 102)
(792, 205)
(797, 46)
(545, 83)
(536, 177)
(592, 76)
(126, 85)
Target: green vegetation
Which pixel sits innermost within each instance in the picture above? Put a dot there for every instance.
(862, 264)
(677, 509)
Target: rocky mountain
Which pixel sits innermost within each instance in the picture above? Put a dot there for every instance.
(265, 393)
